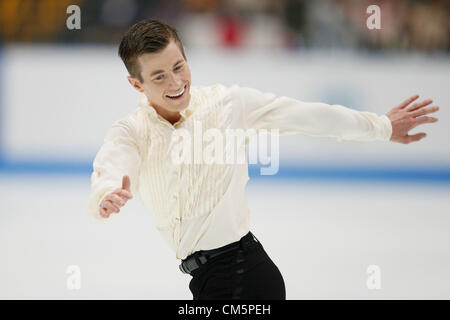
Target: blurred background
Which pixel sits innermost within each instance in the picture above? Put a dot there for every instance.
(332, 210)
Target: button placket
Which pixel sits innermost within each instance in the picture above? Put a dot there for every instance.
(177, 198)
(176, 173)
(175, 195)
(176, 218)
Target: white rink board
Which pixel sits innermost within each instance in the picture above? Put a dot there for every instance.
(74, 94)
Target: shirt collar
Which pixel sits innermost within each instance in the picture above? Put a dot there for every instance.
(143, 103)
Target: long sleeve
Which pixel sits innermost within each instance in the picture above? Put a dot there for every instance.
(118, 156)
(267, 111)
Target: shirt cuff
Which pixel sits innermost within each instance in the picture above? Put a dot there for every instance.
(387, 126)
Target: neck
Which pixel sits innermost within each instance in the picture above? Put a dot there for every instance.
(171, 117)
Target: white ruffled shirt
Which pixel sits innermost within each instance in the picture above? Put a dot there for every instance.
(204, 206)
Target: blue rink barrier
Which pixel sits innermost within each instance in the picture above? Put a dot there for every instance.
(384, 174)
(309, 172)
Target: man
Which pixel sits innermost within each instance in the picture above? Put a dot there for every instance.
(201, 209)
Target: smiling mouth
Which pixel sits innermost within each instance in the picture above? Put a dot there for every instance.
(179, 95)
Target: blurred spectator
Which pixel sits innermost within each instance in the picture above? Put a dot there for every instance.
(328, 26)
(295, 17)
(29, 20)
(231, 29)
(429, 25)
(118, 13)
(295, 24)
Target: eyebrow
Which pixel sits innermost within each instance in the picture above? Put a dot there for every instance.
(161, 71)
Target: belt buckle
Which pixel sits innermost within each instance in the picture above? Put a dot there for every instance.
(181, 266)
(197, 261)
(184, 267)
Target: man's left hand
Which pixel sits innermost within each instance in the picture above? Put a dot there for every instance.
(404, 118)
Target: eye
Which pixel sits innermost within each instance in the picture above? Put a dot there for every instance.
(159, 77)
(179, 67)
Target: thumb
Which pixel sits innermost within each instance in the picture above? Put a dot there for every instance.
(126, 183)
(416, 137)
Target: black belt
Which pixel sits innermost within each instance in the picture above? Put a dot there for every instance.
(199, 258)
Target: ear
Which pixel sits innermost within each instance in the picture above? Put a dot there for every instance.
(135, 83)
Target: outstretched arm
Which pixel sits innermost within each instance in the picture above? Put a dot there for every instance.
(404, 118)
(261, 110)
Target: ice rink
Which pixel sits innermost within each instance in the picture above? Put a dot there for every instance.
(323, 235)
(326, 230)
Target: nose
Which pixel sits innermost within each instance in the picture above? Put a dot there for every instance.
(176, 81)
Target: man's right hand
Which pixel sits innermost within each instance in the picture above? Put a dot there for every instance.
(116, 199)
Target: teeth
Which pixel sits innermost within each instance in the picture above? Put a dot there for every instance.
(176, 95)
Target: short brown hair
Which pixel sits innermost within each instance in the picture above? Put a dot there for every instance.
(147, 36)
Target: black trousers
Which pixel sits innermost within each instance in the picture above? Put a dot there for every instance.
(244, 273)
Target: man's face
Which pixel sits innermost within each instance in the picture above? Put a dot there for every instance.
(163, 74)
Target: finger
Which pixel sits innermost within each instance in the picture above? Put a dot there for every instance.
(106, 207)
(424, 119)
(125, 194)
(111, 207)
(111, 196)
(118, 193)
(126, 183)
(422, 111)
(118, 201)
(104, 213)
(418, 105)
(407, 101)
